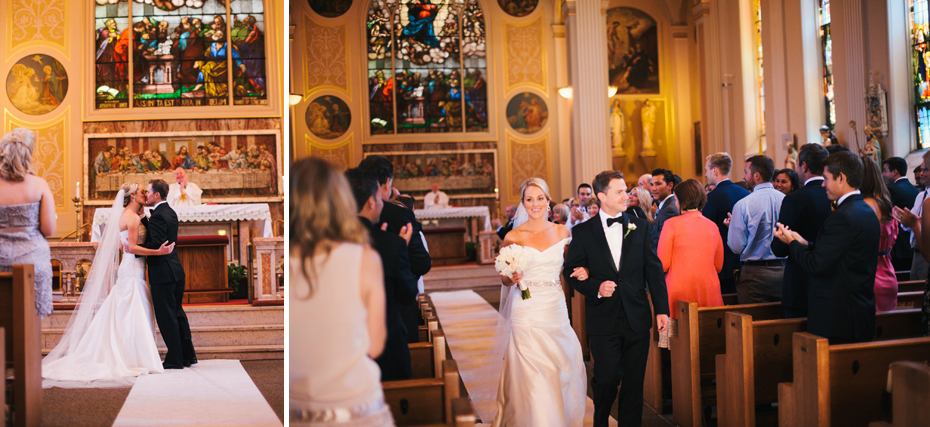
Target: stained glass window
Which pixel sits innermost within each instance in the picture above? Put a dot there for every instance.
(757, 25)
(181, 53)
(826, 41)
(427, 67)
(920, 18)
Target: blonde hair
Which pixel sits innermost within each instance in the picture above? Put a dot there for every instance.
(535, 182)
(323, 212)
(645, 203)
(129, 188)
(16, 150)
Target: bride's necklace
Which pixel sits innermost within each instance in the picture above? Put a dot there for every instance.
(544, 229)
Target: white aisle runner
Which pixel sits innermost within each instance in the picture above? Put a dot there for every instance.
(468, 322)
(212, 393)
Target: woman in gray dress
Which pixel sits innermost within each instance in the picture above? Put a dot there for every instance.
(27, 214)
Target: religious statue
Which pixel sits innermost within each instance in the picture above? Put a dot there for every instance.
(649, 123)
(791, 161)
(872, 147)
(617, 128)
(876, 108)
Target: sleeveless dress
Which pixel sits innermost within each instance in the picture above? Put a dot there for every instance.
(543, 382)
(886, 283)
(27, 247)
(120, 341)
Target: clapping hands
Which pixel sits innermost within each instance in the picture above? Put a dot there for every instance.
(786, 235)
(905, 217)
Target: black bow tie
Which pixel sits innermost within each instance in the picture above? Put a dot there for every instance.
(612, 221)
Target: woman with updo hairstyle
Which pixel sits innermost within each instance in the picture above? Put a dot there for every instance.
(27, 214)
(336, 290)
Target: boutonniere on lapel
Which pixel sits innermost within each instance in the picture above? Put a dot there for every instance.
(630, 227)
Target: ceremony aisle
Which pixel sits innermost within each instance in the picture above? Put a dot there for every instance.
(468, 322)
(212, 393)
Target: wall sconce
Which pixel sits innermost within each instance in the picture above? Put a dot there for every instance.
(295, 98)
(566, 92)
(611, 91)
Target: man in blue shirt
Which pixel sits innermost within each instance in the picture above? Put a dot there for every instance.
(719, 206)
(751, 226)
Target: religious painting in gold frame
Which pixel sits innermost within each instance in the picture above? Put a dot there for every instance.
(463, 173)
(632, 51)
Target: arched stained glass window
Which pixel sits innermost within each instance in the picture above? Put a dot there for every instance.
(920, 18)
(826, 42)
(179, 53)
(427, 66)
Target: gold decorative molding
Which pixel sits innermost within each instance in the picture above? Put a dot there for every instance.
(339, 153)
(52, 151)
(326, 58)
(528, 159)
(525, 60)
(39, 22)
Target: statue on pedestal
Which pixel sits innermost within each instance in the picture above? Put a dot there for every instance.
(648, 114)
(617, 129)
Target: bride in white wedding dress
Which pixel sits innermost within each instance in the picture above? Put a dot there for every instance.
(110, 338)
(543, 381)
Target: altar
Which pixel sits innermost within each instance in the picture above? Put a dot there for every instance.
(211, 220)
(470, 217)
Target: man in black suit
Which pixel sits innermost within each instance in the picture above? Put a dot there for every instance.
(399, 283)
(502, 230)
(842, 260)
(663, 181)
(803, 211)
(903, 194)
(720, 204)
(397, 218)
(617, 252)
(166, 278)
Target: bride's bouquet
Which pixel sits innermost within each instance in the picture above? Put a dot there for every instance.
(513, 259)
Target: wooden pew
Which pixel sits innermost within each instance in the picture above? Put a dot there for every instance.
(841, 385)
(22, 344)
(910, 395)
(425, 331)
(730, 299)
(911, 286)
(902, 275)
(426, 357)
(758, 358)
(910, 300)
(701, 337)
(424, 401)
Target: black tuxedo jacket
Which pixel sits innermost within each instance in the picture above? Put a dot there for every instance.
(803, 211)
(720, 203)
(399, 285)
(160, 228)
(397, 217)
(505, 229)
(903, 195)
(842, 262)
(639, 265)
(669, 210)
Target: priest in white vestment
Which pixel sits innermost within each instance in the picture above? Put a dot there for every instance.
(435, 199)
(183, 192)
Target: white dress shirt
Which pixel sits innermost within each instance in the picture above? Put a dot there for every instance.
(614, 235)
(662, 203)
(813, 178)
(189, 197)
(845, 196)
(917, 210)
(429, 201)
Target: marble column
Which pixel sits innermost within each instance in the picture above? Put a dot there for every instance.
(850, 65)
(587, 28)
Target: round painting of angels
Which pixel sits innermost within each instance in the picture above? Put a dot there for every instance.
(328, 117)
(37, 84)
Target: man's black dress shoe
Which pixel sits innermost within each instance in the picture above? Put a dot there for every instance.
(189, 362)
(171, 366)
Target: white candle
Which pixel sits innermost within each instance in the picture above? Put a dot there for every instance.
(77, 189)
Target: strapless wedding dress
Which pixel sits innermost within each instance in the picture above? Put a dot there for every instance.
(119, 344)
(543, 382)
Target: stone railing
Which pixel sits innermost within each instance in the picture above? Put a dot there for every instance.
(72, 256)
(269, 271)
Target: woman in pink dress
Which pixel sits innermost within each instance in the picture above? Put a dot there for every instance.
(876, 195)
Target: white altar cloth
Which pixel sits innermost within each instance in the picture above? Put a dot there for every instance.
(456, 213)
(202, 213)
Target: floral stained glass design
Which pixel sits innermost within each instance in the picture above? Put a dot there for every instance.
(427, 67)
(920, 21)
(826, 41)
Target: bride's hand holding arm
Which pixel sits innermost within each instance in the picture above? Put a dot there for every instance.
(134, 248)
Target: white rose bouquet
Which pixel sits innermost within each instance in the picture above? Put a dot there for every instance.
(513, 259)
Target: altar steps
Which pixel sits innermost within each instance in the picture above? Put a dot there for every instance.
(219, 332)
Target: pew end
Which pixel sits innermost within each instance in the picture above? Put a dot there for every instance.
(426, 357)
(23, 350)
(910, 395)
(425, 401)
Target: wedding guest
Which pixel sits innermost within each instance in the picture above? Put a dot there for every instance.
(435, 199)
(708, 188)
(919, 265)
(183, 192)
(916, 223)
(876, 196)
(578, 213)
(917, 172)
(27, 214)
(719, 205)
(560, 214)
(803, 211)
(640, 204)
(691, 251)
(663, 182)
(644, 181)
(750, 235)
(786, 181)
(903, 195)
(336, 280)
(592, 207)
(842, 262)
(502, 230)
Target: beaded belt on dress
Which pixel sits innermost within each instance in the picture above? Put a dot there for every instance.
(541, 283)
(337, 415)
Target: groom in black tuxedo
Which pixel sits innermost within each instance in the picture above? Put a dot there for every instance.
(166, 277)
(616, 250)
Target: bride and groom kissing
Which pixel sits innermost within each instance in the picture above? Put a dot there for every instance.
(110, 337)
(611, 260)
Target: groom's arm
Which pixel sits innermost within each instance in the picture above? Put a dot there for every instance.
(577, 257)
(157, 232)
(654, 274)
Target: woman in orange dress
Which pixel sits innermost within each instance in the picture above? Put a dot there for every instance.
(691, 251)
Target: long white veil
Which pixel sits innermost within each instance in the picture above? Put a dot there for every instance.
(488, 376)
(100, 279)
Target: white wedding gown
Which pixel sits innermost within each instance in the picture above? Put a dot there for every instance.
(119, 343)
(543, 382)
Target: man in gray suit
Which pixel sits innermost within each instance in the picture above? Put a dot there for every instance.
(663, 181)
